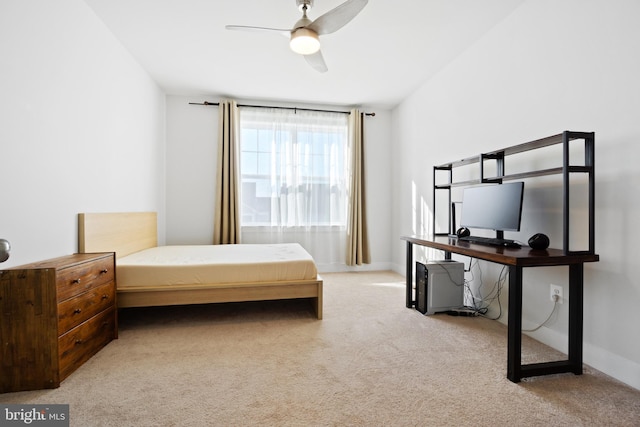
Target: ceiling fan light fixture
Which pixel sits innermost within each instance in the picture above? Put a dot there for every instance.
(304, 41)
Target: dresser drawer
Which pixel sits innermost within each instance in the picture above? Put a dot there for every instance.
(76, 310)
(79, 344)
(79, 278)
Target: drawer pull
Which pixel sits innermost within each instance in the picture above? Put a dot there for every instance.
(77, 311)
(104, 271)
(78, 342)
(105, 296)
(75, 281)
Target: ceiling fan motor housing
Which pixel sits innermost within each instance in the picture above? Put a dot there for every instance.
(302, 22)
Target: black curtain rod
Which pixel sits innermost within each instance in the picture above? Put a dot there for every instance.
(283, 108)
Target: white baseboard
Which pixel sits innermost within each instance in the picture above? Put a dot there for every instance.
(618, 367)
(343, 268)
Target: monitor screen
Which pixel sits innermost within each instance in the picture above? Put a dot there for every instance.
(494, 207)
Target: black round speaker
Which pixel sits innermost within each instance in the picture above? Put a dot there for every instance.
(539, 241)
(463, 232)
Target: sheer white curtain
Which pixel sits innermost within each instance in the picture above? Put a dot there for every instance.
(294, 180)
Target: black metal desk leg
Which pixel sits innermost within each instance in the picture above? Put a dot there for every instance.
(409, 274)
(514, 334)
(576, 280)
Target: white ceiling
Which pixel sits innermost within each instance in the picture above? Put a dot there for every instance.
(379, 58)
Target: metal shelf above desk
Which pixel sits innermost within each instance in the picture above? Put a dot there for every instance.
(567, 169)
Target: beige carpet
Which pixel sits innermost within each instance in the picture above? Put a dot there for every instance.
(371, 362)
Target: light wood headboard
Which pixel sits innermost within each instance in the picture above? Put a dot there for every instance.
(120, 232)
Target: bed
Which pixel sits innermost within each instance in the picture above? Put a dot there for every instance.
(152, 275)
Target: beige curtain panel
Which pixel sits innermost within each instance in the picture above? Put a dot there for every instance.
(357, 238)
(227, 211)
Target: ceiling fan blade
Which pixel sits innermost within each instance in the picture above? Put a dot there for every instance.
(316, 60)
(338, 17)
(286, 33)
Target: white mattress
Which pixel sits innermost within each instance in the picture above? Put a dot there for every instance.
(210, 264)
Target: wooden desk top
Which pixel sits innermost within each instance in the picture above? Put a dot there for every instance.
(524, 256)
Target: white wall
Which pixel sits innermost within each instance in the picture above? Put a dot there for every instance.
(549, 66)
(82, 127)
(191, 163)
(192, 134)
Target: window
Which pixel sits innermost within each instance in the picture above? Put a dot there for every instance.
(293, 168)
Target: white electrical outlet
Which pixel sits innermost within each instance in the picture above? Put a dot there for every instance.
(555, 290)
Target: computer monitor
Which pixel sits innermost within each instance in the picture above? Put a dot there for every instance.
(493, 207)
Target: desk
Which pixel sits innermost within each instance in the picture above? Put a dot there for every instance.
(516, 259)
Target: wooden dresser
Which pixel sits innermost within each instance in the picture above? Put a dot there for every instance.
(56, 314)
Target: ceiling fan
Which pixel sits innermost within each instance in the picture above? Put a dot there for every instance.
(304, 36)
